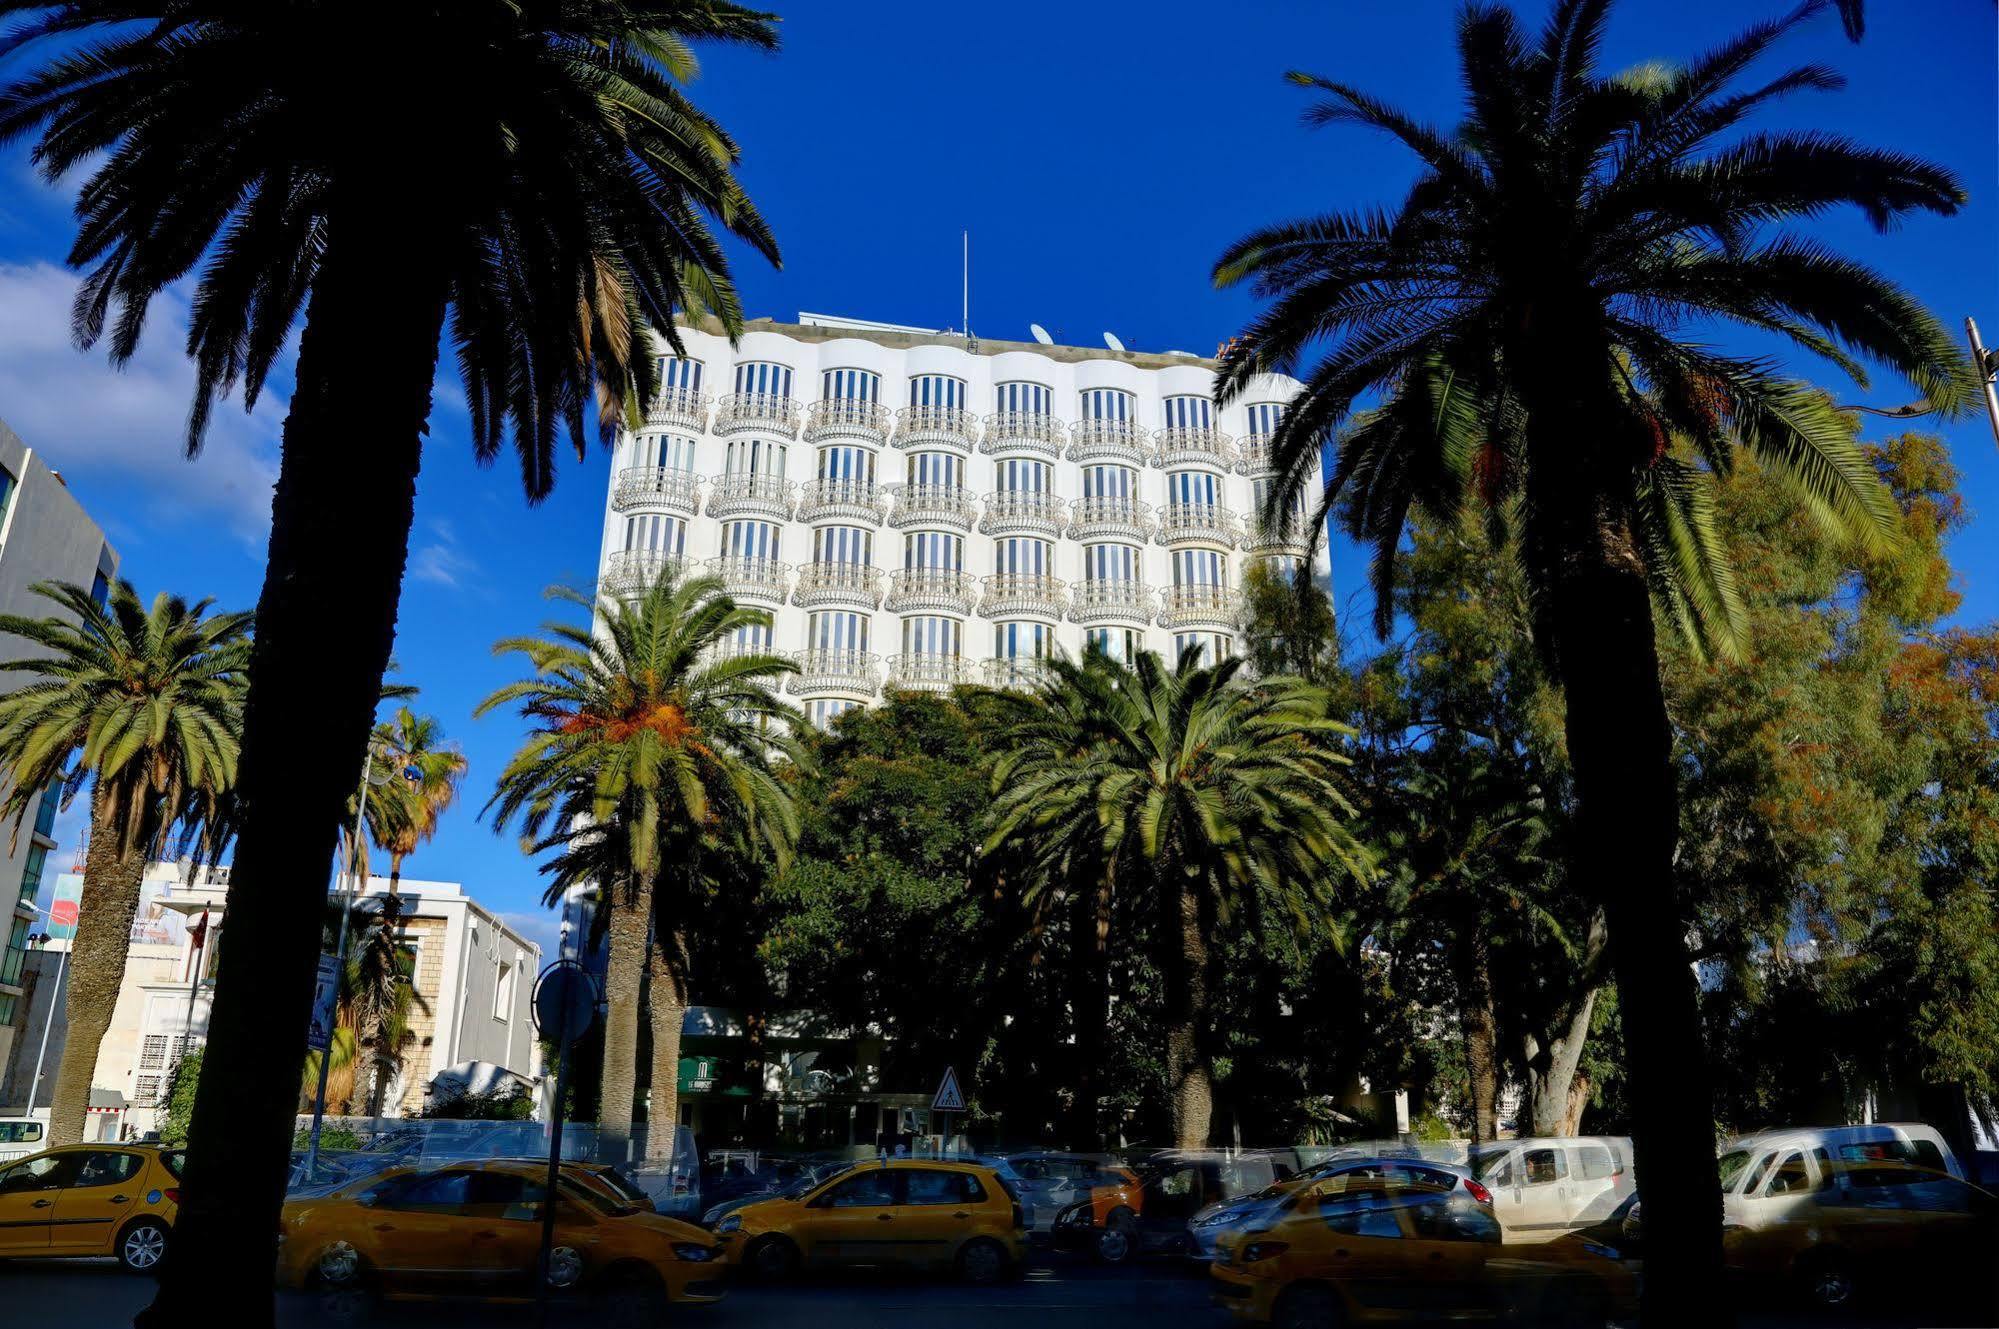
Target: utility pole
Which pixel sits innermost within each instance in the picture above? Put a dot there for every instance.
(1987, 364)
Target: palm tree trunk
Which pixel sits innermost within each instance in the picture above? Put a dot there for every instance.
(1190, 1083)
(669, 1010)
(1620, 742)
(96, 967)
(387, 1056)
(624, 975)
(1479, 1029)
(1090, 1008)
(326, 619)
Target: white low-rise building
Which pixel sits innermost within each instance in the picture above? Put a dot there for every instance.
(473, 976)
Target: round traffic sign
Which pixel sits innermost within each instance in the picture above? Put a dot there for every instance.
(565, 1001)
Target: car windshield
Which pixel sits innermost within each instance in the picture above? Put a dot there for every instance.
(812, 1177)
(1731, 1166)
(1485, 1164)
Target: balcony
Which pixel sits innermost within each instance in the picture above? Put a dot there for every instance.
(633, 571)
(1022, 673)
(859, 501)
(1207, 523)
(751, 494)
(1252, 455)
(740, 650)
(1009, 594)
(1023, 512)
(928, 673)
(741, 411)
(1121, 441)
(1192, 446)
(1024, 433)
(1110, 518)
(821, 671)
(1292, 536)
(654, 487)
(823, 585)
(1095, 601)
(932, 505)
(679, 408)
(1197, 607)
(845, 417)
(752, 578)
(927, 427)
(930, 591)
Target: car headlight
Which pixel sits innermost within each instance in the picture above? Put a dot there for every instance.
(687, 1250)
(708, 1219)
(731, 1223)
(1263, 1250)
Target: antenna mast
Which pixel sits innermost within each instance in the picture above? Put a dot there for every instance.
(970, 341)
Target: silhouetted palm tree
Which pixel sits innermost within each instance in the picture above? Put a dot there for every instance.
(1524, 316)
(526, 179)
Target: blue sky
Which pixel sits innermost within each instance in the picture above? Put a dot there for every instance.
(1101, 154)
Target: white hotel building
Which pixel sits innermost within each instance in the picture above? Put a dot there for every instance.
(919, 511)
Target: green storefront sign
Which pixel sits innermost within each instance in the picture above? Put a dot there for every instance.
(697, 1075)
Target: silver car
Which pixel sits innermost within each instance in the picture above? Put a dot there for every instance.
(1209, 1225)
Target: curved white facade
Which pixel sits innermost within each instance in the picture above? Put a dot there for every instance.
(918, 513)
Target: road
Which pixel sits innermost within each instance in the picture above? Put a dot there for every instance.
(1056, 1294)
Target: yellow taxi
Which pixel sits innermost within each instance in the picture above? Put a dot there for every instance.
(474, 1230)
(945, 1214)
(1373, 1254)
(92, 1199)
(1830, 1228)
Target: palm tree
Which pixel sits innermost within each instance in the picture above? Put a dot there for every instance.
(1521, 318)
(429, 769)
(149, 700)
(528, 178)
(644, 733)
(1199, 797)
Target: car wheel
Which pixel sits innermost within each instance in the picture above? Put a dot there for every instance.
(1117, 1240)
(1306, 1308)
(772, 1259)
(1828, 1282)
(565, 1268)
(982, 1262)
(142, 1247)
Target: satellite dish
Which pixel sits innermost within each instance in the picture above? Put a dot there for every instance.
(1110, 340)
(1041, 334)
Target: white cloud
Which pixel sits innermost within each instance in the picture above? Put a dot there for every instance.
(544, 929)
(123, 429)
(442, 560)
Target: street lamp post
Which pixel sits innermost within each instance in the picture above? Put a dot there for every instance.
(48, 1020)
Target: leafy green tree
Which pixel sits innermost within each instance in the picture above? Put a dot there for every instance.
(530, 180)
(177, 1098)
(643, 733)
(1523, 314)
(1198, 798)
(147, 700)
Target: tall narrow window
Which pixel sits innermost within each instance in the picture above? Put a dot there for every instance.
(1198, 567)
(763, 378)
(1264, 415)
(837, 632)
(1023, 398)
(843, 544)
(678, 375)
(850, 385)
(1108, 404)
(937, 470)
(664, 451)
(1110, 482)
(7, 486)
(1110, 562)
(1019, 476)
(1189, 413)
(930, 635)
(750, 539)
(1019, 557)
(847, 463)
(755, 456)
(1117, 643)
(1198, 488)
(933, 549)
(656, 533)
(1023, 641)
(937, 390)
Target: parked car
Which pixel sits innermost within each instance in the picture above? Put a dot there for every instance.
(92, 1200)
(806, 1177)
(1394, 1253)
(1174, 1185)
(1830, 1228)
(473, 1230)
(1056, 1181)
(904, 1212)
(1542, 1188)
(21, 1136)
(1210, 1224)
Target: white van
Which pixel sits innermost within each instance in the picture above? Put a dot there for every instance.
(1766, 1175)
(1542, 1188)
(21, 1136)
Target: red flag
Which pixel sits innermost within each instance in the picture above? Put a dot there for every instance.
(199, 936)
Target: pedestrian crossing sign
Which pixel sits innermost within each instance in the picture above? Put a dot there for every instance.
(949, 1098)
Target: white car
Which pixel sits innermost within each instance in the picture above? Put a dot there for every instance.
(1544, 1187)
(21, 1136)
